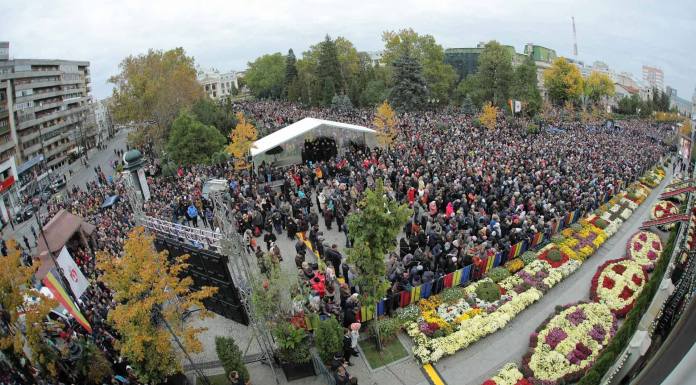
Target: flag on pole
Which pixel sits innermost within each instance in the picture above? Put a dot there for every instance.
(63, 298)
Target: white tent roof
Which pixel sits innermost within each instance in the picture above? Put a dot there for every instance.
(296, 129)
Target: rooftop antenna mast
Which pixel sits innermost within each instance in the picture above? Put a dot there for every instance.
(575, 39)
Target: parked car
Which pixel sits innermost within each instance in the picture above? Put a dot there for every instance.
(25, 213)
(58, 185)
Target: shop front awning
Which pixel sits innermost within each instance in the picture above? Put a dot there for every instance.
(29, 164)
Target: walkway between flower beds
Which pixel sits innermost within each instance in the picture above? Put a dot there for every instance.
(478, 362)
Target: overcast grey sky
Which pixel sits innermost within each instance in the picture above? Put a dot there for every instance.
(228, 34)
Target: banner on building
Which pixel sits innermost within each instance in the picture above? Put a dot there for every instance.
(78, 282)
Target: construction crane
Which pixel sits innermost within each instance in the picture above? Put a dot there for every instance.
(575, 39)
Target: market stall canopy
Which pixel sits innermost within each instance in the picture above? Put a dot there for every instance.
(300, 128)
(58, 232)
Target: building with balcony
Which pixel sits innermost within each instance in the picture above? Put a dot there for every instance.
(219, 86)
(654, 77)
(44, 106)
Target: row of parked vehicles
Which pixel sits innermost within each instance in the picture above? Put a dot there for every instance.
(40, 197)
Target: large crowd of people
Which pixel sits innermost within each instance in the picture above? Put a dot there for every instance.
(474, 192)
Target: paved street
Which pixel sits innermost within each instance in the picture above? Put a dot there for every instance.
(80, 176)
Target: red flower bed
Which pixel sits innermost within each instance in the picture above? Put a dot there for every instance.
(544, 257)
(609, 283)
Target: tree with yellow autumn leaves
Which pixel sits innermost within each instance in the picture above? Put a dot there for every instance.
(488, 115)
(385, 124)
(243, 137)
(150, 294)
(24, 311)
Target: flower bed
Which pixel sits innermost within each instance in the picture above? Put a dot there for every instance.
(617, 283)
(653, 178)
(444, 328)
(580, 245)
(663, 208)
(644, 247)
(568, 342)
(509, 374)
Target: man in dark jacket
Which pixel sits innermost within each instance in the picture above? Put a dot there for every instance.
(334, 257)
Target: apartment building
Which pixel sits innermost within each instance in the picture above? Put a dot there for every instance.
(44, 111)
(654, 77)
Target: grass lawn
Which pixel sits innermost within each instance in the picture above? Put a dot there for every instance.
(218, 379)
(393, 351)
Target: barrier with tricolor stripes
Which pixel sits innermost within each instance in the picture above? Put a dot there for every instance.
(460, 277)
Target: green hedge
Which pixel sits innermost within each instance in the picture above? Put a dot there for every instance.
(625, 333)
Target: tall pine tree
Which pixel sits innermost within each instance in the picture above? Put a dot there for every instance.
(409, 91)
(290, 72)
(493, 76)
(329, 70)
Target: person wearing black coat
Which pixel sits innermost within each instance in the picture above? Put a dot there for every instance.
(347, 348)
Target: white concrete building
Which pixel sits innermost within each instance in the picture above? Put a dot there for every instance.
(105, 127)
(219, 86)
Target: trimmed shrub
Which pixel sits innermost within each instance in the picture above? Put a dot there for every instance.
(498, 274)
(488, 291)
(554, 255)
(528, 257)
(601, 223)
(329, 338)
(230, 357)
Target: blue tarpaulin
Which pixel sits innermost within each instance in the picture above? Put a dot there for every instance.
(108, 202)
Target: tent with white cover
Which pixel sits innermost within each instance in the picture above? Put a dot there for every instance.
(285, 146)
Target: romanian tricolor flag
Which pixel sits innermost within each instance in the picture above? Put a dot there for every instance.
(63, 298)
(571, 217)
(489, 262)
(515, 250)
(538, 237)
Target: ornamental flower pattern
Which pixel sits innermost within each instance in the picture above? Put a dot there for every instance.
(644, 247)
(578, 334)
(617, 284)
(509, 374)
(663, 208)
